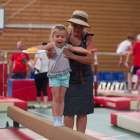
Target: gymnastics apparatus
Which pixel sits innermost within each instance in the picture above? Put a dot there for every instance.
(45, 128)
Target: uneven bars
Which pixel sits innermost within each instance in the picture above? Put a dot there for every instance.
(96, 66)
(108, 53)
(11, 51)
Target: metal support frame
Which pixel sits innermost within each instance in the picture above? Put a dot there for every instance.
(30, 26)
(15, 124)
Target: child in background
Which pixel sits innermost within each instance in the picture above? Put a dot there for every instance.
(59, 69)
(122, 48)
(138, 101)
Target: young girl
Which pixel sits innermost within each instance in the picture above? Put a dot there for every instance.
(59, 69)
(123, 47)
(138, 101)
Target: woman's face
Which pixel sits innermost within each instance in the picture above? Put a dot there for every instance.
(77, 29)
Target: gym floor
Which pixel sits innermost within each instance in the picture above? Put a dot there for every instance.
(98, 122)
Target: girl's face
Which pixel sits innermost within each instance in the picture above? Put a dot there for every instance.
(77, 29)
(60, 38)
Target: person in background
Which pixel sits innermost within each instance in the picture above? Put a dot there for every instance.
(1, 34)
(135, 51)
(17, 65)
(138, 100)
(123, 47)
(41, 79)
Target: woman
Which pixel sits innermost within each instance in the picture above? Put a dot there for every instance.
(41, 79)
(79, 95)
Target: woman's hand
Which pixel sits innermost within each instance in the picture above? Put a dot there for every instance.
(92, 51)
(51, 53)
(69, 54)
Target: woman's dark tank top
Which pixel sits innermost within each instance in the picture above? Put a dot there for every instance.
(82, 71)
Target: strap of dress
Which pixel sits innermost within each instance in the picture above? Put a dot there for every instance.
(85, 38)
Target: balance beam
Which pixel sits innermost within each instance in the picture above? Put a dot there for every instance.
(44, 127)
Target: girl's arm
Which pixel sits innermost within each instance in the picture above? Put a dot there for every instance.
(88, 59)
(80, 49)
(45, 47)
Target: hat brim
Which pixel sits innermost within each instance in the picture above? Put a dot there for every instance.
(78, 21)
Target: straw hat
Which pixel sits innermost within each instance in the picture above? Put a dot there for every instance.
(79, 17)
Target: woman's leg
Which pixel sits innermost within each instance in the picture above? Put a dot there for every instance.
(138, 103)
(136, 83)
(69, 121)
(45, 98)
(38, 100)
(61, 100)
(44, 88)
(81, 123)
(38, 84)
(55, 101)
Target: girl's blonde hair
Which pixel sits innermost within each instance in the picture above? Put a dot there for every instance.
(58, 27)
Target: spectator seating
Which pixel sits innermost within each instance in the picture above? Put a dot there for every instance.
(114, 80)
(106, 80)
(119, 81)
(119, 76)
(106, 76)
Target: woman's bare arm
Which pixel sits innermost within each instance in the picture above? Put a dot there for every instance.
(34, 61)
(51, 52)
(88, 59)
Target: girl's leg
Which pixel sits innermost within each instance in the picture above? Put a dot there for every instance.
(120, 63)
(61, 100)
(130, 80)
(81, 123)
(55, 101)
(121, 58)
(126, 52)
(138, 103)
(55, 106)
(69, 121)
